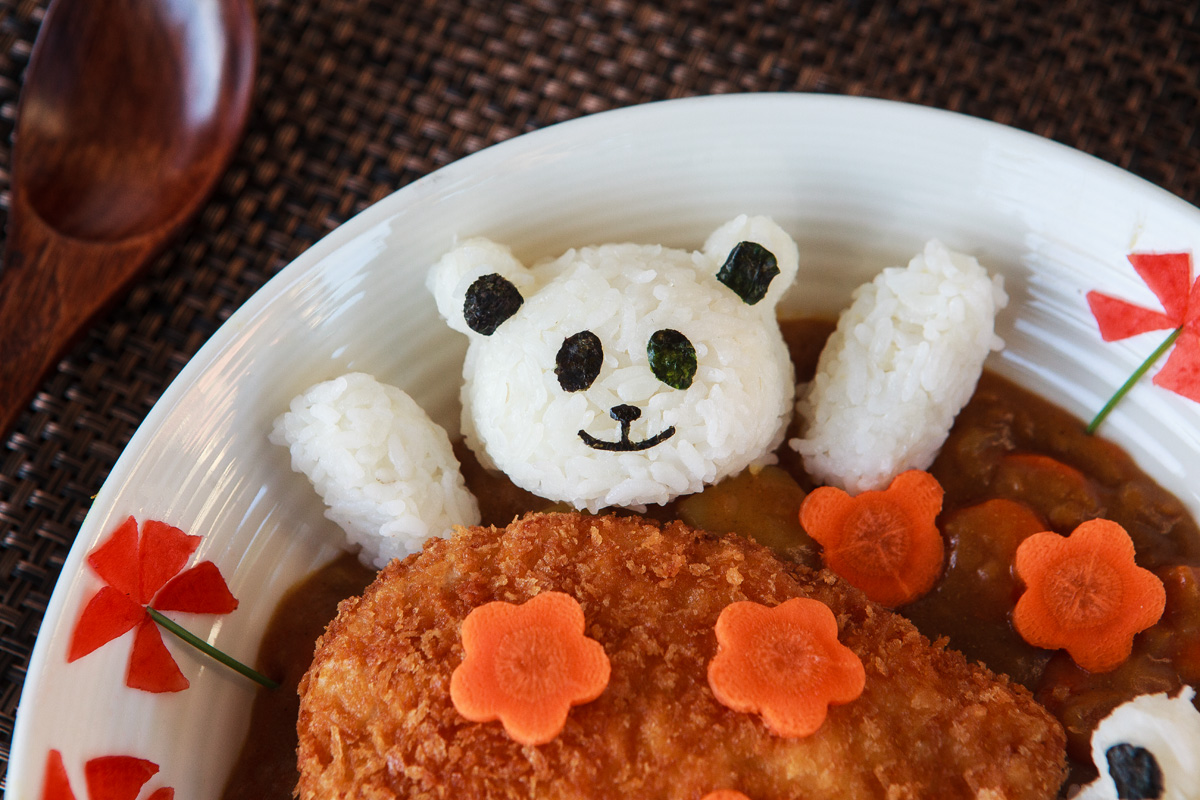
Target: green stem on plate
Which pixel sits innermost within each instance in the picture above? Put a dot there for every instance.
(209, 650)
(1134, 378)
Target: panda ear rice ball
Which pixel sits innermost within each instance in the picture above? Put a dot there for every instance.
(902, 363)
(386, 471)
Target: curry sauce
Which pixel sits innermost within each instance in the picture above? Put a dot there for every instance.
(1013, 465)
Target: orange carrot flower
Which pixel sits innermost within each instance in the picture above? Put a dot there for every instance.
(884, 543)
(526, 665)
(1085, 594)
(784, 663)
(725, 794)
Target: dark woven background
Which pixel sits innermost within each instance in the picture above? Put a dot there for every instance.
(356, 98)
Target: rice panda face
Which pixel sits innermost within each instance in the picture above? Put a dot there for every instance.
(623, 374)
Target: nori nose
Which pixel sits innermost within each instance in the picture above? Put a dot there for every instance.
(624, 413)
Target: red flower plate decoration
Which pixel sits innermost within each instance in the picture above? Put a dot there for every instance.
(147, 571)
(1169, 276)
(107, 777)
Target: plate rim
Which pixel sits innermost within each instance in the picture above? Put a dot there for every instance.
(313, 257)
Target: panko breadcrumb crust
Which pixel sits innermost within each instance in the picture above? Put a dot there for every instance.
(376, 719)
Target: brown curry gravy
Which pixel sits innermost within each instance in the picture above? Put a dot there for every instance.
(1013, 464)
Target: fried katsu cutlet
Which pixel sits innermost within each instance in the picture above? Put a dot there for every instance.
(376, 719)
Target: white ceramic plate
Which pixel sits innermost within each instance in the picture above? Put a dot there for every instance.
(861, 184)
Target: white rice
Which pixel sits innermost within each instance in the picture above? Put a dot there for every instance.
(902, 363)
(385, 470)
(1167, 727)
(517, 418)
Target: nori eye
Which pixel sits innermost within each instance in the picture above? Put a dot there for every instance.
(1135, 771)
(490, 300)
(749, 270)
(578, 361)
(672, 358)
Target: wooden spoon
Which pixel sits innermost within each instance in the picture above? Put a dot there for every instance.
(130, 113)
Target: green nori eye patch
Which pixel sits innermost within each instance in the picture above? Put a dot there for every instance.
(491, 300)
(672, 358)
(749, 270)
(578, 361)
(1135, 771)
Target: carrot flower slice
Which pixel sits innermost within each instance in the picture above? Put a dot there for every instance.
(784, 663)
(725, 794)
(884, 542)
(1085, 594)
(526, 665)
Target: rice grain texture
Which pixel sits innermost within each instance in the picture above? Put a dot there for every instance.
(903, 361)
(385, 470)
(607, 430)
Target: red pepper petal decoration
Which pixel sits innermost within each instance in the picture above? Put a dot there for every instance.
(151, 666)
(116, 560)
(165, 793)
(1193, 312)
(1119, 319)
(56, 786)
(107, 615)
(117, 777)
(200, 590)
(1167, 275)
(137, 570)
(164, 550)
(1181, 373)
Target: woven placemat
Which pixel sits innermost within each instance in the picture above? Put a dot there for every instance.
(356, 98)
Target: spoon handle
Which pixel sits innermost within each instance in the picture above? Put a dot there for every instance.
(51, 287)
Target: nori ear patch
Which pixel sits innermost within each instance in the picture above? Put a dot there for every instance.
(579, 361)
(491, 300)
(749, 270)
(1135, 771)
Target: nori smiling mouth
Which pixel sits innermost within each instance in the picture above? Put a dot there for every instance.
(625, 414)
(625, 445)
